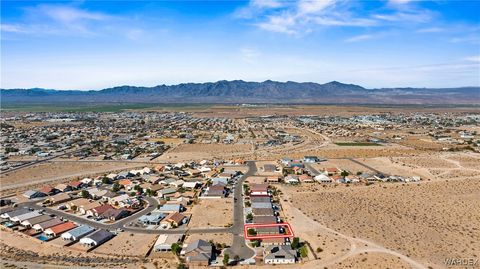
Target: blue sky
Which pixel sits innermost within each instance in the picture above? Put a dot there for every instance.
(99, 44)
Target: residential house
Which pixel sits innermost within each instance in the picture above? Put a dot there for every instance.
(264, 219)
(115, 214)
(258, 189)
(32, 194)
(191, 185)
(96, 238)
(153, 219)
(217, 190)
(59, 198)
(173, 220)
(86, 207)
(273, 179)
(97, 193)
(75, 185)
(13, 213)
(199, 253)
(170, 208)
(262, 211)
(56, 230)
(332, 171)
(322, 178)
(306, 179)
(291, 179)
(31, 222)
(26, 216)
(63, 187)
(46, 224)
(280, 254)
(77, 233)
(99, 210)
(166, 192)
(77, 203)
(165, 241)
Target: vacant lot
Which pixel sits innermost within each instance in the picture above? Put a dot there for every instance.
(212, 213)
(51, 171)
(128, 244)
(427, 221)
(186, 152)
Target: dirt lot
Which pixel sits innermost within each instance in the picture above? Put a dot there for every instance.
(128, 244)
(427, 221)
(343, 164)
(187, 152)
(211, 213)
(51, 171)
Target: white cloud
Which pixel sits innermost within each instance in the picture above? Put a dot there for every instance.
(249, 55)
(430, 30)
(401, 2)
(359, 38)
(311, 7)
(299, 17)
(475, 58)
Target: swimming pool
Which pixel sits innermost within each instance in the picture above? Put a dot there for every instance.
(43, 237)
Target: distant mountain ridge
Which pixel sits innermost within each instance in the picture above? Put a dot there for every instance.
(239, 91)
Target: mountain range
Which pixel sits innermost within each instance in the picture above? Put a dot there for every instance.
(239, 91)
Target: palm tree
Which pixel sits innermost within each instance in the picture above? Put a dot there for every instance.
(344, 174)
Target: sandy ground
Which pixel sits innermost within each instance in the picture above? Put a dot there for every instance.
(128, 244)
(372, 260)
(211, 213)
(427, 221)
(186, 152)
(434, 166)
(59, 170)
(343, 164)
(27, 252)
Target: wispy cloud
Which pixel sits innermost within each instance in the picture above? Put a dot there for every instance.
(59, 19)
(300, 17)
(249, 55)
(475, 58)
(358, 38)
(430, 30)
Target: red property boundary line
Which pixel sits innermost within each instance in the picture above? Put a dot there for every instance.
(266, 236)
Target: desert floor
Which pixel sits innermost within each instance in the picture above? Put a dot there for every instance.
(211, 213)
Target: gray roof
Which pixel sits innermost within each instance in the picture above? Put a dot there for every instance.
(100, 236)
(81, 231)
(280, 252)
(199, 250)
(17, 212)
(38, 219)
(262, 205)
(199, 245)
(49, 223)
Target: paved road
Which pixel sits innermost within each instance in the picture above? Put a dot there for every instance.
(239, 246)
(312, 170)
(367, 166)
(30, 163)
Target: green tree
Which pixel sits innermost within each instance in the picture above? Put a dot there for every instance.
(115, 187)
(85, 194)
(344, 174)
(303, 251)
(251, 232)
(295, 242)
(105, 180)
(176, 247)
(226, 259)
(249, 217)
